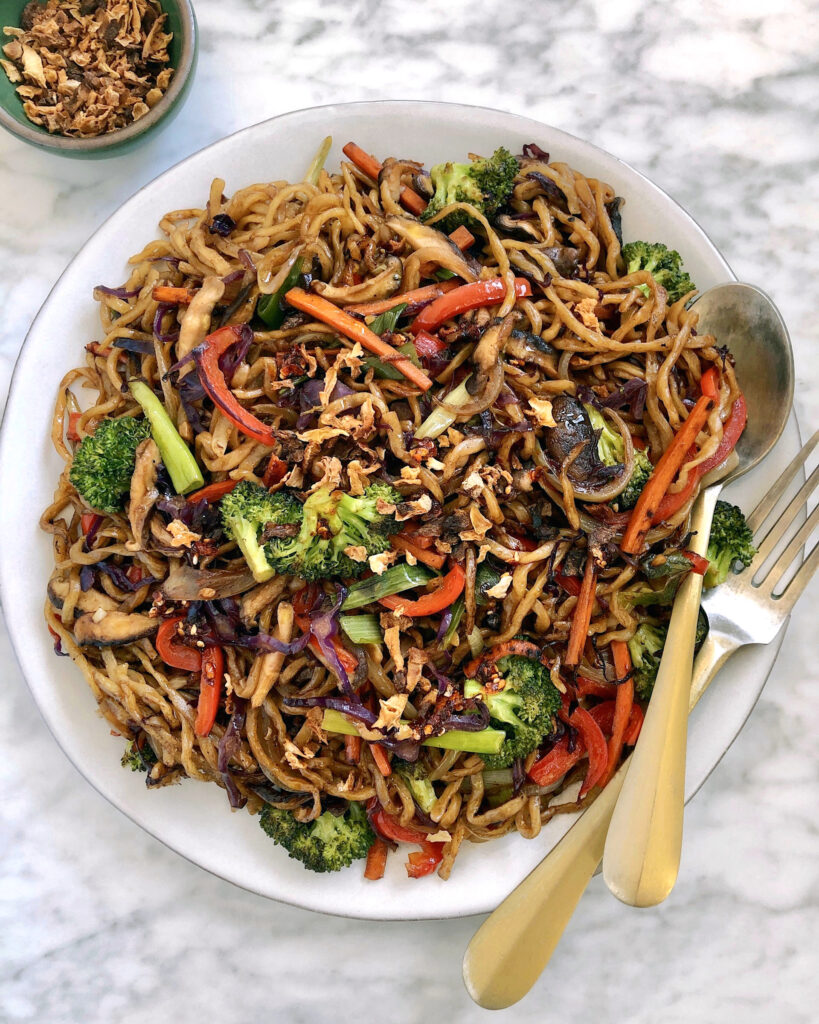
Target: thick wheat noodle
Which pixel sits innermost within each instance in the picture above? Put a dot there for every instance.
(337, 227)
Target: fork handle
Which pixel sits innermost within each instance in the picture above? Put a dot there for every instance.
(715, 651)
(642, 852)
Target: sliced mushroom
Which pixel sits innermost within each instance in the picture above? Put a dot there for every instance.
(143, 487)
(184, 583)
(436, 247)
(517, 226)
(382, 286)
(87, 601)
(111, 629)
(566, 260)
(532, 349)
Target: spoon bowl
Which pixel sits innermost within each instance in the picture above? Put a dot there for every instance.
(747, 322)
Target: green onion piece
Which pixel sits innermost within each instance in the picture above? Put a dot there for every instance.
(387, 320)
(362, 629)
(498, 777)
(475, 641)
(393, 581)
(457, 614)
(487, 741)
(179, 460)
(314, 170)
(269, 307)
(383, 369)
(444, 415)
(442, 274)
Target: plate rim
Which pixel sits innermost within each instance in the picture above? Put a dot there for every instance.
(310, 904)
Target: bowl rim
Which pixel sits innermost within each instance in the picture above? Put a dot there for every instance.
(61, 143)
(300, 900)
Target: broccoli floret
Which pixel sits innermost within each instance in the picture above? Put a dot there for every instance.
(138, 759)
(612, 452)
(104, 462)
(525, 706)
(329, 843)
(646, 650)
(332, 522)
(486, 184)
(246, 510)
(417, 779)
(731, 541)
(664, 265)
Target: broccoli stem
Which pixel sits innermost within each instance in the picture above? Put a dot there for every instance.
(487, 741)
(179, 460)
(244, 533)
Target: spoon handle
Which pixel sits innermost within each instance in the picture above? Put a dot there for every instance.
(509, 951)
(642, 850)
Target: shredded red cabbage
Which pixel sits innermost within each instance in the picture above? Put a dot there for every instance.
(229, 744)
(533, 151)
(138, 346)
(324, 627)
(632, 394)
(229, 362)
(161, 312)
(352, 708)
(116, 293)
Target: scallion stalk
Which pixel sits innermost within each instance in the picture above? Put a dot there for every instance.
(457, 614)
(393, 581)
(361, 629)
(444, 416)
(179, 460)
(269, 307)
(487, 741)
(316, 164)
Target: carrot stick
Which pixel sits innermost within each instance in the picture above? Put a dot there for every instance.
(429, 291)
(462, 237)
(352, 749)
(430, 558)
(622, 706)
(376, 860)
(582, 615)
(664, 472)
(327, 313)
(178, 296)
(370, 166)
(382, 762)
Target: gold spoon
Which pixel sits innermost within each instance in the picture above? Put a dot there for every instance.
(642, 850)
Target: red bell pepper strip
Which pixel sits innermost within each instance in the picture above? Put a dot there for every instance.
(213, 492)
(571, 584)
(173, 653)
(468, 296)
(210, 688)
(276, 470)
(420, 863)
(603, 714)
(553, 766)
(623, 704)
(324, 311)
(89, 521)
(731, 432)
(667, 468)
(428, 604)
(207, 357)
(376, 860)
(428, 346)
(582, 615)
(590, 688)
(430, 558)
(425, 861)
(595, 743)
(699, 564)
(134, 573)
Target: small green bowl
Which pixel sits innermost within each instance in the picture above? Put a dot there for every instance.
(183, 51)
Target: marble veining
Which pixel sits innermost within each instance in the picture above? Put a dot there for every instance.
(718, 102)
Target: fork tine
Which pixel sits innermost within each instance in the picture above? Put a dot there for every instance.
(768, 503)
(778, 529)
(774, 575)
(791, 594)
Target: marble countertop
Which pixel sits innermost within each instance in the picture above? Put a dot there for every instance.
(718, 102)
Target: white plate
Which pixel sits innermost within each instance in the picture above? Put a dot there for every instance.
(194, 819)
